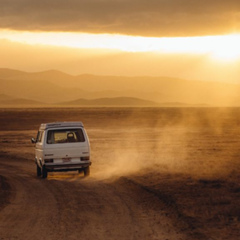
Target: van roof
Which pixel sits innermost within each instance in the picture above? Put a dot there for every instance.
(44, 126)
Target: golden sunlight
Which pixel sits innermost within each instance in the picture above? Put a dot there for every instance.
(224, 47)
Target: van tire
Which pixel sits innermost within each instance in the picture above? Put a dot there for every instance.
(39, 171)
(44, 172)
(86, 171)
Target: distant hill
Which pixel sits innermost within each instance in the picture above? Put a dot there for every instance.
(4, 97)
(8, 101)
(55, 86)
(120, 101)
(20, 102)
(10, 73)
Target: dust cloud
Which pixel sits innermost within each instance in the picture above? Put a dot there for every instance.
(202, 143)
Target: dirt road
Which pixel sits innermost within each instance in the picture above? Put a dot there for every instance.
(68, 206)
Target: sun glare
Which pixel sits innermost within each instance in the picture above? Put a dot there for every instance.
(224, 47)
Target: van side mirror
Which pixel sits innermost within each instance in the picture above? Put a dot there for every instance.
(33, 140)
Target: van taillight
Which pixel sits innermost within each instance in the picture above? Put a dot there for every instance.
(85, 158)
(48, 160)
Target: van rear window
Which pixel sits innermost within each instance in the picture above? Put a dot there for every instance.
(65, 136)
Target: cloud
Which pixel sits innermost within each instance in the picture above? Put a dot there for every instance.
(132, 17)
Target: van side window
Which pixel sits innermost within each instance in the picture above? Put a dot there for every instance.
(39, 136)
(65, 136)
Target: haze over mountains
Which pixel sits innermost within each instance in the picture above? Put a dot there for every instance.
(55, 87)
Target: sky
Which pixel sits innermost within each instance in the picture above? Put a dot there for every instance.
(177, 38)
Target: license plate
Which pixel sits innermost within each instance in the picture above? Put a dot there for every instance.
(66, 159)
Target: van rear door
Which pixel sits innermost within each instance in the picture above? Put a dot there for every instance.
(66, 144)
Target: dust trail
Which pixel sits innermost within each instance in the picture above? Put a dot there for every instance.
(202, 143)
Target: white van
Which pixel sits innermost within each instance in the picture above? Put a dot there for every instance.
(62, 146)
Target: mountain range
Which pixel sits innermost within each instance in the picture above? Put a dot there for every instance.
(58, 88)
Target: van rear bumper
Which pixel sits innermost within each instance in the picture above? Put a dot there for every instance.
(66, 167)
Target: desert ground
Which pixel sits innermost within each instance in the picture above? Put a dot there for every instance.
(156, 174)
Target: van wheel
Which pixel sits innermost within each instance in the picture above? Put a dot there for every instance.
(44, 172)
(86, 171)
(39, 171)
